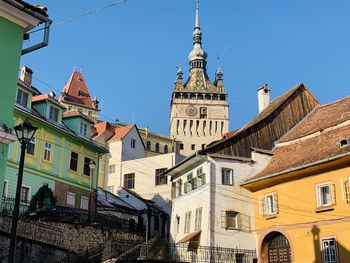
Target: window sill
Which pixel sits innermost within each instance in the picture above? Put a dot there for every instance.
(324, 208)
(271, 216)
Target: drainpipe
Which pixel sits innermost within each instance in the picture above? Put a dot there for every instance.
(39, 16)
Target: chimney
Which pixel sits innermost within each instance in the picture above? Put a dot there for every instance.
(26, 76)
(263, 97)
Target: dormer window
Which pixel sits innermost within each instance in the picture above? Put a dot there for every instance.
(83, 129)
(53, 114)
(22, 98)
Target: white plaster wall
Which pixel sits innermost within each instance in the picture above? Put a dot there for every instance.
(129, 153)
(190, 201)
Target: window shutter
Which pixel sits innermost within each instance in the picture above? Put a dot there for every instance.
(203, 179)
(240, 225)
(318, 196)
(347, 190)
(185, 187)
(173, 190)
(223, 219)
(275, 203)
(262, 205)
(333, 194)
(180, 187)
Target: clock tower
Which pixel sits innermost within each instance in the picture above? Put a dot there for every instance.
(199, 107)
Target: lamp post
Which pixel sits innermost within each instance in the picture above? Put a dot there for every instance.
(92, 166)
(24, 132)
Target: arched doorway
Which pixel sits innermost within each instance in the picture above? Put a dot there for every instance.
(276, 249)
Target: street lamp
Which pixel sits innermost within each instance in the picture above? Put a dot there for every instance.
(24, 132)
(92, 166)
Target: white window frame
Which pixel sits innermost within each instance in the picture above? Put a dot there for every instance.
(329, 255)
(28, 193)
(32, 141)
(47, 151)
(111, 168)
(227, 179)
(83, 128)
(268, 205)
(72, 195)
(233, 219)
(85, 205)
(321, 202)
(187, 226)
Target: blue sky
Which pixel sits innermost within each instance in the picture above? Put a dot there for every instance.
(129, 52)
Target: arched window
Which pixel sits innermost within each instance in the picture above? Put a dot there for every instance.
(148, 146)
(166, 149)
(157, 147)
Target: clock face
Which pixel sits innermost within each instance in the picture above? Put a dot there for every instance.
(191, 110)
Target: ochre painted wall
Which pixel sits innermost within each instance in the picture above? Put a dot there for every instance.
(299, 221)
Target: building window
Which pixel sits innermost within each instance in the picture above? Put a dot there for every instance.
(31, 146)
(191, 183)
(129, 181)
(25, 194)
(200, 177)
(53, 114)
(227, 176)
(111, 169)
(84, 202)
(193, 147)
(133, 143)
(198, 221)
(203, 113)
(187, 222)
(70, 199)
(83, 129)
(73, 161)
(5, 189)
(157, 147)
(148, 146)
(329, 250)
(160, 178)
(47, 151)
(22, 98)
(324, 195)
(86, 169)
(347, 190)
(203, 146)
(231, 218)
(181, 146)
(166, 150)
(269, 205)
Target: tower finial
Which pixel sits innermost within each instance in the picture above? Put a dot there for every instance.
(197, 15)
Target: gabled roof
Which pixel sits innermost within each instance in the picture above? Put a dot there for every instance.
(265, 127)
(48, 97)
(121, 132)
(76, 91)
(315, 140)
(102, 127)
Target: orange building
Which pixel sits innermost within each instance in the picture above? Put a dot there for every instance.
(302, 196)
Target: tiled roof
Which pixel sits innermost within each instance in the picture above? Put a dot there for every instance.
(102, 127)
(321, 118)
(324, 128)
(40, 97)
(121, 132)
(76, 91)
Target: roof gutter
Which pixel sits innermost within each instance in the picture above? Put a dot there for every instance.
(297, 168)
(39, 16)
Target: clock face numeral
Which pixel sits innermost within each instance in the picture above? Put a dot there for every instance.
(191, 111)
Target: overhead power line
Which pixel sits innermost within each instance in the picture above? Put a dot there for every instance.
(87, 13)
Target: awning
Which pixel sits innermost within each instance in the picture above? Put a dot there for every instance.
(194, 236)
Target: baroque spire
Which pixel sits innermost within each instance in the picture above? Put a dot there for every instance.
(197, 56)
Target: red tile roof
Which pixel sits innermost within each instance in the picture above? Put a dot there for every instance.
(76, 91)
(121, 132)
(316, 138)
(102, 127)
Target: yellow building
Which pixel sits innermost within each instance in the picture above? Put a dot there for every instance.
(302, 196)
